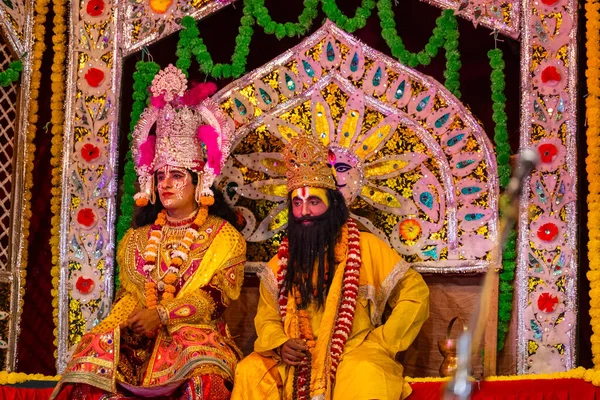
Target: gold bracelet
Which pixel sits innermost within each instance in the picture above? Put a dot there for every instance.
(163, 314)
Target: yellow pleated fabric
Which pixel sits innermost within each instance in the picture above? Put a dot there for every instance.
(367, 369)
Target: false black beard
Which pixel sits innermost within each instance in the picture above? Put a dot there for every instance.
(312, 245)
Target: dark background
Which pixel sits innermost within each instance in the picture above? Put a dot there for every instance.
(415, 21)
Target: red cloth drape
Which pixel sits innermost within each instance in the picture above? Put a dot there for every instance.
(543, 389)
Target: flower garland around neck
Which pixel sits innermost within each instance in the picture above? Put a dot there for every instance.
(349, 244)
(178, 254)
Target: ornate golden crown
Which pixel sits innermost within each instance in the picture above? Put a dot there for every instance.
(306, 163)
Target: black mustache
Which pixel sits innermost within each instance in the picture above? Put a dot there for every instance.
(308, 218)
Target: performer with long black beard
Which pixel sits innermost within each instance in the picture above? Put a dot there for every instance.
(312, 241)
(319, 318)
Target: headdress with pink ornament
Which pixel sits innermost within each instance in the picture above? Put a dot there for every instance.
(191, 132)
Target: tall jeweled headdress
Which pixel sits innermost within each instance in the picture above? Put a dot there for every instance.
(191, 132)
(307, 164)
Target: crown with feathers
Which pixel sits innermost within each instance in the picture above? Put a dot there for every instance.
(191, 132)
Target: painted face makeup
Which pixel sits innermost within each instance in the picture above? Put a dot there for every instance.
(308, 201)
(175, 188)
(347, 175)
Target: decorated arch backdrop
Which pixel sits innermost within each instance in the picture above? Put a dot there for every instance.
(420, 171)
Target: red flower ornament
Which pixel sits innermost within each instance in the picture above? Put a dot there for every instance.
(549, 2)
(94, 77)
(547, 302)
(548, 152)
(547, 232)
(89, 152)
(95, 8)
(551, 76)
(86, 217)
(84, 285)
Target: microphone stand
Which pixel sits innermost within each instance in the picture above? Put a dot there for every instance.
(460, 386)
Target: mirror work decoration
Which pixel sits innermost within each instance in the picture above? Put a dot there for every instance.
(415, 166)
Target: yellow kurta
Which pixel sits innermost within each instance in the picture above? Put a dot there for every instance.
(195, 341)
(367, 369)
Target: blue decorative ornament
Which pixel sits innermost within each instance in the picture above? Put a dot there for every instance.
(426, 199)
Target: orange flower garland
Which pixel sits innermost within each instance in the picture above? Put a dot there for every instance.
(348, 246)
(178, 255)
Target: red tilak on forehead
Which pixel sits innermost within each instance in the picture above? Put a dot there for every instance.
(303, 193)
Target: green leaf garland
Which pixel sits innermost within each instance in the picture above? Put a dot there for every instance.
(350, 25)
(190, 44)
(509, 256)
(289, 29)
(444, 34)
(11, 74)
(142, 79)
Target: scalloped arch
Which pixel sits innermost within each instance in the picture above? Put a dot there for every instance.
(406, 142)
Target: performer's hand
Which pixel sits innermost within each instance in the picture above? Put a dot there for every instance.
(293, 351)
(144, 322)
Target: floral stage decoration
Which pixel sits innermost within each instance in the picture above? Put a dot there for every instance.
(430, 189)
(22, 24)
(57, 119)
(414, 165)
(547, 263)
(592, 100)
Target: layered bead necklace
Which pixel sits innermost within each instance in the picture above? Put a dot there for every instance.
(178, 254)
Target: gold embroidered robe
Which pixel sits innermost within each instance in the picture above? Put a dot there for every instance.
(367, 368)
(195, 341)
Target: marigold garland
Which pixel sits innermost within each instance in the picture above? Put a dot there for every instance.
(13, 378)
(509, 255)
(588, 375)
(592, 161)
(11, 74)
(142, 78)
(57, 119)
(39, 30)
(178, 256)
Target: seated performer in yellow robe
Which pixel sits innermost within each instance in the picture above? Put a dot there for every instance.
(322, 298)
(165, 335)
